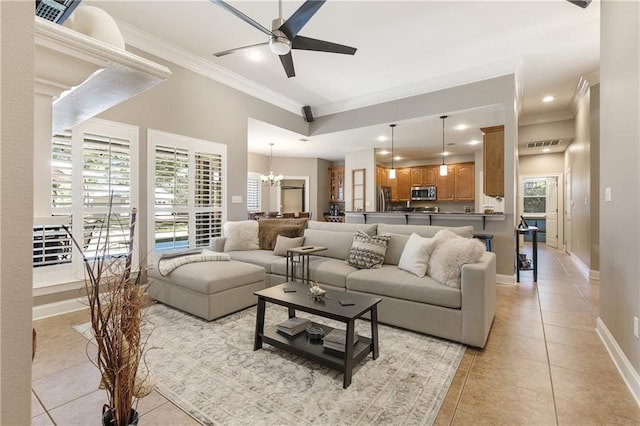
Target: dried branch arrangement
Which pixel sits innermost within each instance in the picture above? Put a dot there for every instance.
(115, 300)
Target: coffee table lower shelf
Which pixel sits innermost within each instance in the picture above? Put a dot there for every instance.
(315, 351)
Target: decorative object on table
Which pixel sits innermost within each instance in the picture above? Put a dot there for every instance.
(523, 223)
(293, 326)
(336, 338)
(115, 300)
(315, 333)
(316, 292)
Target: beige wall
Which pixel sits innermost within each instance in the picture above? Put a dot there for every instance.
(542, 164)
(563, 129)
(594, 222)
(16, 209)
(620, 171)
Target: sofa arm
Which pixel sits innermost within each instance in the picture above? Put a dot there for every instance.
(478, 290)
(217, 244)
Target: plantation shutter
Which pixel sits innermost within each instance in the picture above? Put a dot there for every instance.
(253, 192)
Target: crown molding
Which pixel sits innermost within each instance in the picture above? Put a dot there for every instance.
(144, 41)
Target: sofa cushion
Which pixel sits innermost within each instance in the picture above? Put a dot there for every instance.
(241, 235)
(368, 251)
(370, 229)
(424, 230)
(269, 229)
(263, 258)
(415, 256)
(395, 248)
(285, 243)
(338, 244)
(390, 281)
(448, 257)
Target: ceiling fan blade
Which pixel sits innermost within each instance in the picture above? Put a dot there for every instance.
(241, 15)
(228, 52)
(300, 17)
(287, 63)
(582, 3)
(306, 43)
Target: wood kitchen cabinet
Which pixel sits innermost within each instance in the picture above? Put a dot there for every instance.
(458, 184)
(430, 175)
(404, 184)
(381, 176)
(336, 184)
(493, 160)
(416, 176)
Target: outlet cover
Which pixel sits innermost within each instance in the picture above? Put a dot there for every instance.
(607, 194)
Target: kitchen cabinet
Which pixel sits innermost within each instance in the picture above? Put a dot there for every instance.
(381, 176)
(465, 187)
(458, 184)
(404, 184)
(446, 185)
(430, 175)
(493, 160)
(416, 176)
(336, 184)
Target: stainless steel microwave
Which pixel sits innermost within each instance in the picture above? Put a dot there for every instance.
(423, 193)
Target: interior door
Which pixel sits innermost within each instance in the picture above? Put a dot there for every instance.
(551, 213)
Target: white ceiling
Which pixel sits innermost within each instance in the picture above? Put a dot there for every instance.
(404, 48)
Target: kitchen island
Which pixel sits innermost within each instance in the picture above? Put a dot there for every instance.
(424, 218)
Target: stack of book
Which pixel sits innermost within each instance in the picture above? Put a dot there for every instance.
(336, 339)
(293, 326)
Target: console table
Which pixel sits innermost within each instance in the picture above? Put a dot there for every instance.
(533, 231)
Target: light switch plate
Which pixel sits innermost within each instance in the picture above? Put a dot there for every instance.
(607, 194)
(236, 199)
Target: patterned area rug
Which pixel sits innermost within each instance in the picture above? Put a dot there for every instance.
(210, 370)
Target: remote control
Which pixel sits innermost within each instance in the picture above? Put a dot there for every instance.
(289, 290)
(306, 248)
(346, 302)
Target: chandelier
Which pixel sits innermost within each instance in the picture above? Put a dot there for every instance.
(271, 179)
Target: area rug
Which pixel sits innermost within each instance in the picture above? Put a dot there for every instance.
(211, 371)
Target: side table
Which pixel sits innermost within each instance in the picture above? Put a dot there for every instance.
(303, 259)
(533, 230)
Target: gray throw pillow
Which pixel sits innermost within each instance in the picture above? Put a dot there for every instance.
(285, 243)
(367, 252)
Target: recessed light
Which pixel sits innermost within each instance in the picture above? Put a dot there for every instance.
(474, 142)
(255, 55)
(381, 138)
(445, 153)
(546, 149)
(397, 157)
(461, 126)
(548, 98)
(384, 152)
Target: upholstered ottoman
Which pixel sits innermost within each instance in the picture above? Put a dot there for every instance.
(208, 289)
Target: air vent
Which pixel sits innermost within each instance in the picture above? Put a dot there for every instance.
(540, 144)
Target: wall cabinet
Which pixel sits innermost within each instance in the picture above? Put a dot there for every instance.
(336, 184)
(430, 175)
(458, 184)
(493, 160)
(403, 179)
(381, 176)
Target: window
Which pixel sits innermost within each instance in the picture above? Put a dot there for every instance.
(534, 195)
(93, 169)
(253, 192)
(188, 184)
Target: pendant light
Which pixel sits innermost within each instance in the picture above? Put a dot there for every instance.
(443, 167)
(271, 179)
(392, 171)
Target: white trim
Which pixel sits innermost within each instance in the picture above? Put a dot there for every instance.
(58, 308)
(594, 275)
(505, 279)
(582, 267)
(626, 370)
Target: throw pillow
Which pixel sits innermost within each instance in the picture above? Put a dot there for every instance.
(448, 257)
(367, 252)
(269, 229)
(241, 235)
(415, 256)
(285, 243)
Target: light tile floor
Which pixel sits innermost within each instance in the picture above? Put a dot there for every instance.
(543, 364)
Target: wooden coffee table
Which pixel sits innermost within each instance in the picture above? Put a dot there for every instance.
(328, 308)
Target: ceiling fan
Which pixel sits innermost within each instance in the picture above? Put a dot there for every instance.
(283, 35)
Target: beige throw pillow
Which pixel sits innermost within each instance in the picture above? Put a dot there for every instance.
(241, 235)
(415, 256)
(367, 252)
(285, 243)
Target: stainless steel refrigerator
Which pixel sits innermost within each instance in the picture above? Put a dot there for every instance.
(383, 198)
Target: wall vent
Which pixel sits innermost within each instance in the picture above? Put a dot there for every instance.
(539, 144)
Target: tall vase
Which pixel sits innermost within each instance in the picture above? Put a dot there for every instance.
(107, 419)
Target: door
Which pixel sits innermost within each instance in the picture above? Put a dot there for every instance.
(551, 213)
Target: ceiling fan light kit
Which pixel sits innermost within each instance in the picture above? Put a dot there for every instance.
(283, 35)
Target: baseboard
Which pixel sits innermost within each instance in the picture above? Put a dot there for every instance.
(57, 308)
(505, 279)
(626, 370)
(594, 275)
(580, 264)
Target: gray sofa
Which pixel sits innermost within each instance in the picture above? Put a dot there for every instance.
(421, 304)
